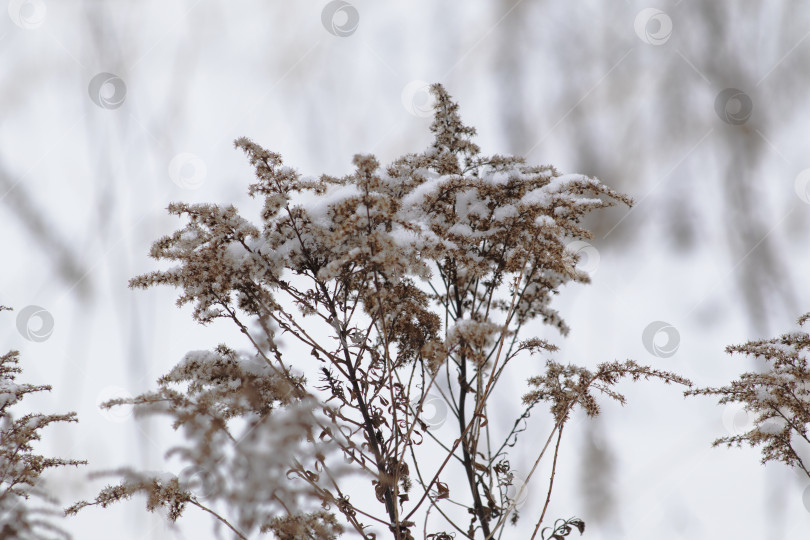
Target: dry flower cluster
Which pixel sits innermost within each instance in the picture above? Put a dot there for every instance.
(778, 398)
(403, 287)
(20, 467)
(403, 283)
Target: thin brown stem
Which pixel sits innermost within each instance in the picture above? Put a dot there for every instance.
(220, 518)
(550, 482)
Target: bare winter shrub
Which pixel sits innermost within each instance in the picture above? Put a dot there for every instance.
(404, 286)
(25, 505)
(778, 399)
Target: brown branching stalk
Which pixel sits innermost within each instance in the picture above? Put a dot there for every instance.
(402, 287)
(778, 398)
(20, 467)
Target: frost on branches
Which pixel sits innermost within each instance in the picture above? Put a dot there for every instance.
(403, 285)
(778, 399)
(25, 506)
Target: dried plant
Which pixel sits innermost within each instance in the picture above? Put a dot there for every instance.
(20, 467)
(563, 528)
(778, 399)
(404, 288)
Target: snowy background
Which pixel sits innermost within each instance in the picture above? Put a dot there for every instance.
(112, 109)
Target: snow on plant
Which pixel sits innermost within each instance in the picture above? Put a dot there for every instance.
(20, 467)
(403, 285)
(778, 398)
